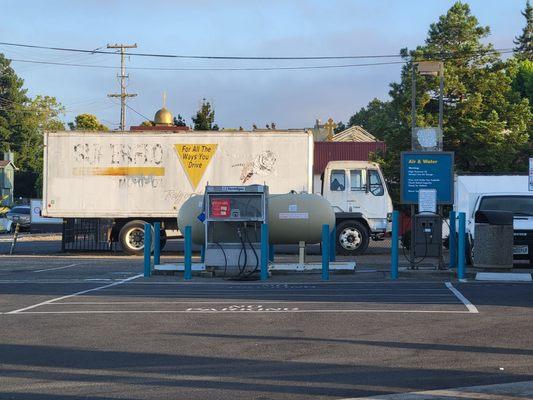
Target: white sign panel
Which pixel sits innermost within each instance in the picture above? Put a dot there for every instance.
(531, 174)
(427, 201)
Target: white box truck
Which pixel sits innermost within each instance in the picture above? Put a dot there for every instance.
(497, 192)
(137, 177)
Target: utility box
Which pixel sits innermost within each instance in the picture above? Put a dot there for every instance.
(233, 218)
(493, 243)
(427, 236)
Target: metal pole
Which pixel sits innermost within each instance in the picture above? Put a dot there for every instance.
(157, 243)
(271, 253)
(332, 243)
(202, 253)
(264, 252)
(395, 239)
(188, 253)
(147, 249)
(461, 247)
(441, 98)
(452, 241)
(325, 252)
(413, 101)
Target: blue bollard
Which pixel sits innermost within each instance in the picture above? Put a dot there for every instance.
(271, 253)
(157, 243)
(188, 253)
(461, 247)
(394, 244)
(452, 242)
(325, 252)
(147, 249)
(265, 253)
(332, 244)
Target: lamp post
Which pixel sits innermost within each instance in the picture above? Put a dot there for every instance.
(430, 68)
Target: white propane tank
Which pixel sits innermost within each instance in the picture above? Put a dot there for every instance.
(188, 215)
(295, 217)
(292, 217)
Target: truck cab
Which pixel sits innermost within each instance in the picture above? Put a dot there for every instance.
(359, 196)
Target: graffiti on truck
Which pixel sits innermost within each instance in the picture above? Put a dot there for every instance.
(261, 164)
(118, 154)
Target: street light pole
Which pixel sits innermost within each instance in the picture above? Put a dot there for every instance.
(441, 95)
(413, 102)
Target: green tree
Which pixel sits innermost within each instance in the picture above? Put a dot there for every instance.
(179, 121)
(204, 118)
(485, 120)
(377, 118)
(524, 42)
(13, 100)
(87, 122)
(22, 123)
(339, 128)
(523, 80)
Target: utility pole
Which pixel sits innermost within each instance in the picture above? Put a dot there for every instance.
(123, 95)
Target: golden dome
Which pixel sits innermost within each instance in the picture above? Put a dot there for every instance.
(163, 117)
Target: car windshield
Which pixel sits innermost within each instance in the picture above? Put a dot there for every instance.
(519, 205)
(20, 210)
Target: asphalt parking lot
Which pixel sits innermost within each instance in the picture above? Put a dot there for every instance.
(93, 328)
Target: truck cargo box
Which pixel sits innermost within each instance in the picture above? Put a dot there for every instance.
(151, 174)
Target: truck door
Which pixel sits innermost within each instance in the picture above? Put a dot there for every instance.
(337, 189)
(375, 202)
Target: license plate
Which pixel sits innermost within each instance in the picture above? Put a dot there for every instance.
(520, 250)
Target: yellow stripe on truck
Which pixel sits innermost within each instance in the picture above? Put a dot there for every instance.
(121, 171)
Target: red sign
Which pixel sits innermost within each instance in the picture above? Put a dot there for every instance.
(220, 207)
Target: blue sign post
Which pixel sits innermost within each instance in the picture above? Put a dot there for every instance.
(426, 170)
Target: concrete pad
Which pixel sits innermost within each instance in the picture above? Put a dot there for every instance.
(333, 266)
(503, 277)
(178, 267)
(514, 391)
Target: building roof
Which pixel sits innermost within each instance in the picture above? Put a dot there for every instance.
(325, 152)
(354, 133)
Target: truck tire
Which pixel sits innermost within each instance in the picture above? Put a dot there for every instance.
(352, 238)
(131, 237)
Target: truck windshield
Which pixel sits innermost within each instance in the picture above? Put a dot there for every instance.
(519, 205)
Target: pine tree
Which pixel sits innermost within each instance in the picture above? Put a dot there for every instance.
(485, 121)
(204, 118)
(524, 42)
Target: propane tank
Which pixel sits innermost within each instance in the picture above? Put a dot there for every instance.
(292, 217)
(188, 216)
(298, 217)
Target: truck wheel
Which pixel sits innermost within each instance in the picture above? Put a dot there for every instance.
(352, 238)
(131, 237)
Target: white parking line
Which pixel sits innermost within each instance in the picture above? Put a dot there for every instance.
(471, 308)
(243, 312)
(53, 269)
(73, 294)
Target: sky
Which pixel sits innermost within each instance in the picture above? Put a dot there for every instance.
(290, 98)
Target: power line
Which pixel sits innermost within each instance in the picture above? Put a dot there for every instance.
(210, 68)
(209, 57)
